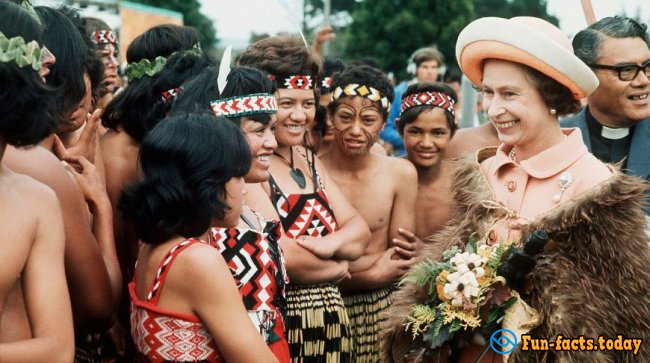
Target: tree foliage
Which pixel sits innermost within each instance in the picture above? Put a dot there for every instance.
(511, 8)
(391, 30)
(192, 16)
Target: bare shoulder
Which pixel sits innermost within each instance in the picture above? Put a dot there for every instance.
(120, 153)
(24, 204)
(378, 149)
(116, 138)
(460, 143)
(468, 140)
(41, 165)
(199, 265)
(400, 167)
(31, 189)
(25, 200)
(119, 149)
(199, 255)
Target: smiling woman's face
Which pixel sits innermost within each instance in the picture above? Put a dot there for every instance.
(296, 109)
(262, 143)
(513, 104)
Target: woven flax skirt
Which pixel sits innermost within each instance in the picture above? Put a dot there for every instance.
(363, 310)
(318, 328)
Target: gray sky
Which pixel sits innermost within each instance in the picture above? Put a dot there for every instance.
(237, 19)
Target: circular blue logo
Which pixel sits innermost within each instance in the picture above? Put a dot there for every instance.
(503, 341)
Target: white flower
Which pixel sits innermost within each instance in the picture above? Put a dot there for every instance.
(466, 261)
(461, 285)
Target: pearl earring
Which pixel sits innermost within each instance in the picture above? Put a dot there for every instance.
(552, 111)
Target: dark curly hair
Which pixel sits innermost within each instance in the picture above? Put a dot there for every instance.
(330, 67)
(412, 113)
(139, 107)
(281, 55)
(186, 159)
(28, 115)
(363, 75)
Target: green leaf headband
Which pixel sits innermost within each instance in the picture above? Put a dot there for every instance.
(23, 54)
(145, 67)
(27, 5)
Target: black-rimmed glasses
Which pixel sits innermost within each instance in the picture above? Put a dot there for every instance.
(626, 72)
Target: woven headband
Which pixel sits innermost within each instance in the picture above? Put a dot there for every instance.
(325, 84)
(101, 37)
(293, 82)
(23, 54)
(436, 99)
(169, 95)
(244, 105)
(145, 67)
(354, 89)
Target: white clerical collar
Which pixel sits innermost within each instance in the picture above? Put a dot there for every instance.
(614, 134)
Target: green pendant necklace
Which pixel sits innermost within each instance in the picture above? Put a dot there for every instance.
(295, 173)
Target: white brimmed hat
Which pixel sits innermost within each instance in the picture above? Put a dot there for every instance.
(527, 40)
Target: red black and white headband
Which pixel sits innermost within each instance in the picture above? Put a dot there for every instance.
(436, 99)
(361, 90)
(244, 105)
(293, 81)
(102, 37)
(171, 94)
(325, 84)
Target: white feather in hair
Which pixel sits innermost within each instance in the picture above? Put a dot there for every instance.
(224, 69)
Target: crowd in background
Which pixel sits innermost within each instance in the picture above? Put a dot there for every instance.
(264, 207)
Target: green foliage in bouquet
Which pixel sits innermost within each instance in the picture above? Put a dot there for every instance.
(460, 292)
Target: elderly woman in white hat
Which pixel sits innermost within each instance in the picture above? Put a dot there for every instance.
(587, 276)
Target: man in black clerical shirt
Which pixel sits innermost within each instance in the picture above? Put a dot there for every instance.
(615, 124)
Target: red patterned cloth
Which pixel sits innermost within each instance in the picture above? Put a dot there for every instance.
(308, 214)
(317, 322)
(257, 265)
(161, 335)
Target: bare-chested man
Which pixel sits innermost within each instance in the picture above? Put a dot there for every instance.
(427, 125)
(382, 190)
(31, 228)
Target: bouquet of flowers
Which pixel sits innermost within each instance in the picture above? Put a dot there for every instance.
(464, 291)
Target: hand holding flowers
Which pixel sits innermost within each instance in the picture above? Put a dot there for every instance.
(463, 291)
